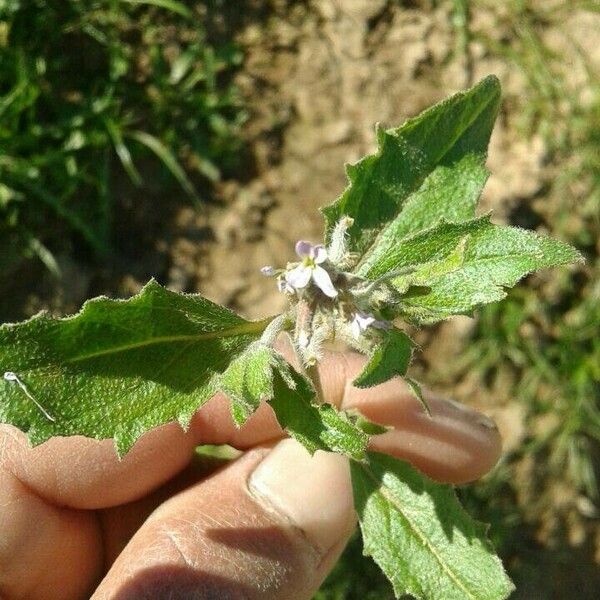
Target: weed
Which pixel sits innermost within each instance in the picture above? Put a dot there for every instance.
(87, 89)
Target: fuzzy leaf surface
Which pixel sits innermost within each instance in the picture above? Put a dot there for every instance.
(433, 166)
(248, 380)
(486, 261)
(459, 266)
(316, 427)
(119, 368)
(421, 537)
(390, 359)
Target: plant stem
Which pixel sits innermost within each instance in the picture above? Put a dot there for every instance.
(312, 373)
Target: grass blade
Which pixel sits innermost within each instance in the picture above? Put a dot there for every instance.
(168, 159)
(172, 5)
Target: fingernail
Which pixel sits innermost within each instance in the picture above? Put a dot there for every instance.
(312, 493)
(475, 415)
(487, 422)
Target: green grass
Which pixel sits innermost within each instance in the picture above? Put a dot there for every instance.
(90, 90)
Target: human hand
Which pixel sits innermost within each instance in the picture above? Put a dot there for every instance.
(76, 522)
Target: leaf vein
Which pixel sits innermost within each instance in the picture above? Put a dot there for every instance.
(240, 329)
(419, 534)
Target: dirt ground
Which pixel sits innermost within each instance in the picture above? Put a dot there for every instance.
(318, 79)
(318, 76)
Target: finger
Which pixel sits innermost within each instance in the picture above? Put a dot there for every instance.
(45, 551)
(264, 527)
(453, 446)
(85, 473)
(119, 523)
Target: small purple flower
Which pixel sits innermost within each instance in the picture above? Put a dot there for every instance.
(362, 321)
(300, 276)
(268, 271)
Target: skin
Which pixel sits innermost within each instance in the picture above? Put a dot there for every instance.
(75, 522)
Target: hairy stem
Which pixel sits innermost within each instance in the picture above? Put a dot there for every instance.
(312, 372)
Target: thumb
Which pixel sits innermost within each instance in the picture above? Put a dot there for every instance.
(270, 525)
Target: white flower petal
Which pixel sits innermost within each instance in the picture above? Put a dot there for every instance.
(359, 324)
(304, 249)
(364, 320)
(268, 271)
(319, 254)
(299, 276)
(323, 281)
(355, 328)
(284, 286)
(361, 321)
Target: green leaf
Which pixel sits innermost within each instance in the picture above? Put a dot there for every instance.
(119, 368)
(365, 425)
(458, 266)
(320, 427)
(420, 536)
(122, 151)
(390, 359)
(248, 380)
(261, 373)
(418, 252)
(432, 166)
(489, 259)
(415, 388)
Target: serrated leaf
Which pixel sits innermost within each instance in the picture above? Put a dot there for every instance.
(432, 167)
(421, 537)
(119, 368)
(365, 425)
(248, 380)
(493, 258)
(389, 359)
(415, 388)
(316, 427)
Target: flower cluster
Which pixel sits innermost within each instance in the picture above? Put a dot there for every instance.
(330, 301)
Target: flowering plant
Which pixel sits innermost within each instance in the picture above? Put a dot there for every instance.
(402, 245)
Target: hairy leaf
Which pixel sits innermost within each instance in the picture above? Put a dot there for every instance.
(320, 427)
(248, 380)
(485, 263)
(261, 373)
(390, 359)
(458, 266)
(432, 166)
(119, 368)
(365, 425)
(393, 254)
(420, 536)
(415, 388)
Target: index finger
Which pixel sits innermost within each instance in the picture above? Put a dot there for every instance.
(454, 445)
